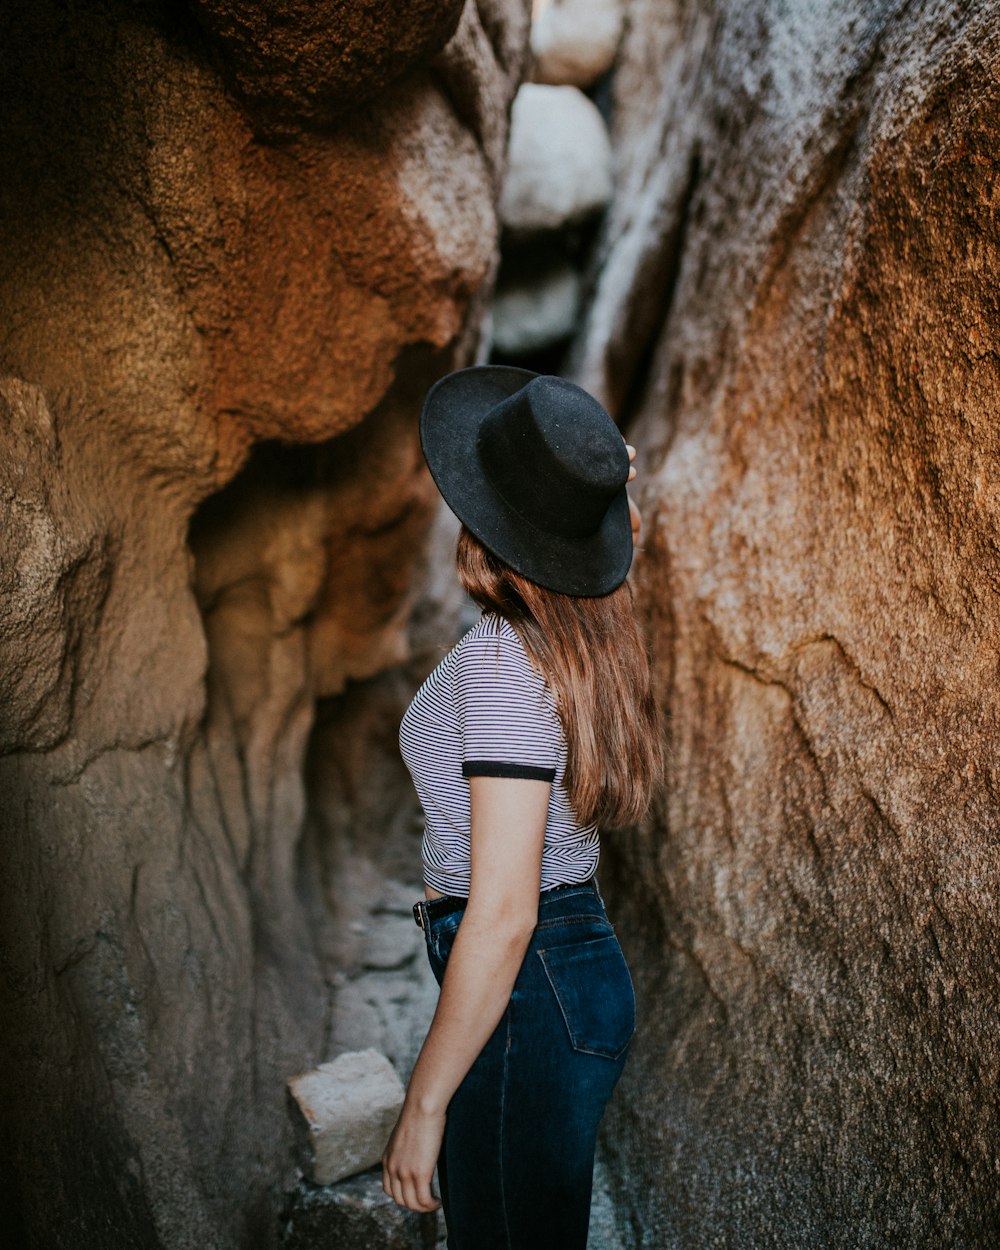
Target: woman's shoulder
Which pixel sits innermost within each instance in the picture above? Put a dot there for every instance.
(492, 634)
(493, 653)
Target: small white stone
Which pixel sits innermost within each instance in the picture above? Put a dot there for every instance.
(532, 314)
(559, 161)
(349, 1107)
(574, 42)
(392, 941)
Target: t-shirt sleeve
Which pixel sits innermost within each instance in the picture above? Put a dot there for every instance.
(506, 713)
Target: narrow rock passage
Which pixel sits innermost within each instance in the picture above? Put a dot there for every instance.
(221, 303)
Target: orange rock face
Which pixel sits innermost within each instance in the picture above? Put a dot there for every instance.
(299, 64)
(796, 316)
(205, 261)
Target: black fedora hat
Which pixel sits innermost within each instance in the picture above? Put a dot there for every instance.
(536, 469)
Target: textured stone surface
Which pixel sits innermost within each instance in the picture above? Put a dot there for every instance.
(606, 1229)
(573, 42)
(309, 60)
(354, 1215)
(795, 314)
(559, 169)
(346, 1109)
(183, 300)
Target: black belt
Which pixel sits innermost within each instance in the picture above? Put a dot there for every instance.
(449, 903)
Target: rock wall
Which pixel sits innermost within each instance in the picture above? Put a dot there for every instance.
(212, 249)
(794, 312)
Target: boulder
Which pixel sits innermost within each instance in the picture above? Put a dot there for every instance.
(559, 165)
(306, 61)
(573, 42)
(533, 313)
(344, 1111)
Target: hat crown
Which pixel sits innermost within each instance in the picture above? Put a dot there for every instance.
(536, 469)
(554, 455)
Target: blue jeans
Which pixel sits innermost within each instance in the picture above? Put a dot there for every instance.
(517, 1161)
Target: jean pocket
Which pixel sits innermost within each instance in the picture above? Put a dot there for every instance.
(592, 985)
(443, 934)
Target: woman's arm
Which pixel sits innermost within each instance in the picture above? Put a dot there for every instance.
(507, 831)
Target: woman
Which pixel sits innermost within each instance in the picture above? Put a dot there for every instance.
(535, 728)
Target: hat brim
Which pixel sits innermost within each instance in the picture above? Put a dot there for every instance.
(452, 414)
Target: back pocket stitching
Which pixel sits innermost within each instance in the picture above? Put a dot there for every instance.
(604, 1053)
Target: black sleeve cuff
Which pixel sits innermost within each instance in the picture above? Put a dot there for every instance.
(496, 768)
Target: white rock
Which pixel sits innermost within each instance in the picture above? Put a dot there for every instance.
(574, 42)
(559, 162)
(391, 941)
(533, 314)
(348, 1108)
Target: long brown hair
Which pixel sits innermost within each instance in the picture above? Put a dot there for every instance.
(592, 655)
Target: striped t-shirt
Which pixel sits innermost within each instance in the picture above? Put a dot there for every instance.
(486, 711)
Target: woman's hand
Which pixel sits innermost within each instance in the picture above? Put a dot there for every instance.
(633, 511)
(409, 1159)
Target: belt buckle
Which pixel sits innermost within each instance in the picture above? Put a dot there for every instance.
(418, 915)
